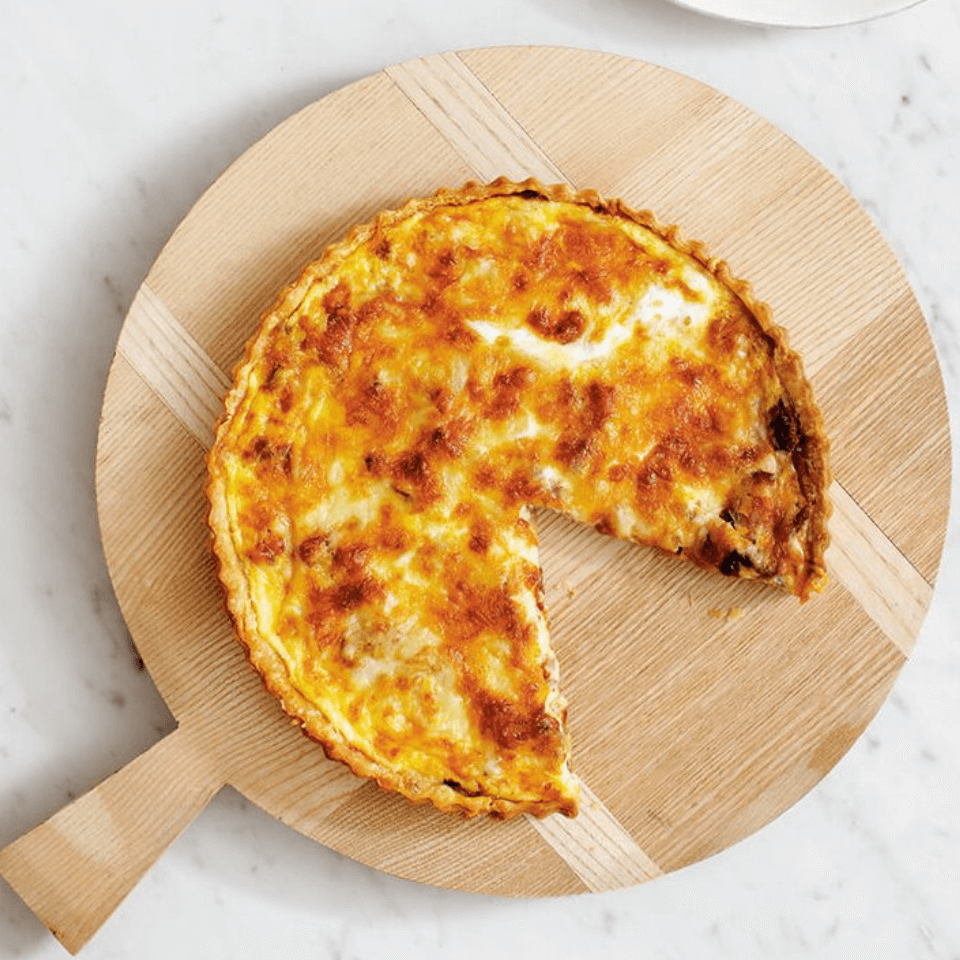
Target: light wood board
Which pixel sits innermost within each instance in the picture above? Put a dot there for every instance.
(693, 726)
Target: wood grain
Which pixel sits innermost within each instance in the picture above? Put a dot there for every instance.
(75, 869)
(597, 847)
(700, 708)
(468, 117)
(890, 590)
(173, 364)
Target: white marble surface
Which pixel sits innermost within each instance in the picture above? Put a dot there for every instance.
(114, 117)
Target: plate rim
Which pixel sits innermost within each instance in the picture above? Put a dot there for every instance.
(824, 14)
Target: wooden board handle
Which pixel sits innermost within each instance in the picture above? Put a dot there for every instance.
(74, 869)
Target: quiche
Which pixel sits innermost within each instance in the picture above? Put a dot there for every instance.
(405, 406)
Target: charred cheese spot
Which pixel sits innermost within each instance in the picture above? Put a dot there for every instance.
(354, 593)
(372, 405)
(572, 451)
(783, 427)
(480, 538)
(267, 548)
(510, 726)
(508, 388)
(311, 548)
(564, 326)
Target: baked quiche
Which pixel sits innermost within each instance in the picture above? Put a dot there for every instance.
(415, 394)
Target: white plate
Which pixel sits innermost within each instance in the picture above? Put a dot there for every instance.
(797, 13)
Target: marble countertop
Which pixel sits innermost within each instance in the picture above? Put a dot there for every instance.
(114, 117)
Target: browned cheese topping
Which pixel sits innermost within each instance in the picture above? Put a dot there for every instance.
(401, 410)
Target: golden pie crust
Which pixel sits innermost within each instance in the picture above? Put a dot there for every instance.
(415, 393)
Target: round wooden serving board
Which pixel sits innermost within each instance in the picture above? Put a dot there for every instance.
(700, 707)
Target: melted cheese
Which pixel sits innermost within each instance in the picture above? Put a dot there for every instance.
(400, 413)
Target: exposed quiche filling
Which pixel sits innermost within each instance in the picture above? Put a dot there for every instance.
(403, 407)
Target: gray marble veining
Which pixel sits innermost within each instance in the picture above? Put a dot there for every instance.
(113, 118)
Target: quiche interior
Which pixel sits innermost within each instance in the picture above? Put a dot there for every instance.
(407, 401)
